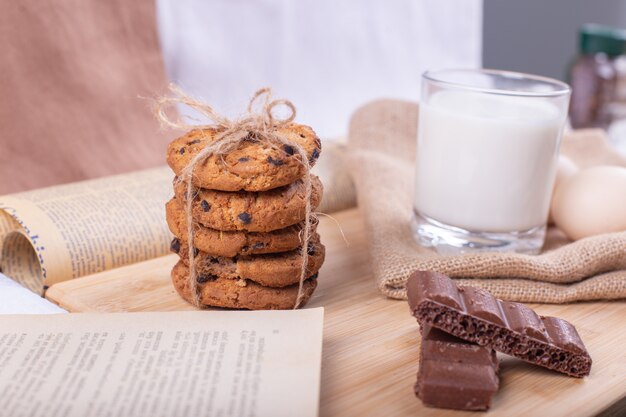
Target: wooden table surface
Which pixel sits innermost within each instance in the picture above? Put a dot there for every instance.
(371, 343)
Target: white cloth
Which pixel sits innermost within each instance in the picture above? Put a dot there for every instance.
(15, 299)
(326, 56)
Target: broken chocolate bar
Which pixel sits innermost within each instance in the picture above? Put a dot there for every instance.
(454, 373)
(476, 316)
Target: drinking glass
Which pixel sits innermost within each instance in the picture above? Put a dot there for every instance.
(487, 151)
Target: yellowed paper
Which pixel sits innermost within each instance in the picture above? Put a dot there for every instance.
(7, 224)
(67, 231)
(197, 363)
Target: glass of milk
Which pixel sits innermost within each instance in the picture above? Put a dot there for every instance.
(487, 149)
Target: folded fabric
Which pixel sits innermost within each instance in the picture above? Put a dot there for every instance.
(15, 299)
(381, 155)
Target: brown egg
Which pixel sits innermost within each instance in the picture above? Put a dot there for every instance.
(565, 169)
(591, 202)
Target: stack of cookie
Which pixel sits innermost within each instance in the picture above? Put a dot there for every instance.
(248, 217)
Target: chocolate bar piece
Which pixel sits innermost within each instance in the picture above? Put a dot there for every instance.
(454, 373)
(476, 316)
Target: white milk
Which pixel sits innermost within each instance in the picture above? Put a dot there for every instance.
(486, 162)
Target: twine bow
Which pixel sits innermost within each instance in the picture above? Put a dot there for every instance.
(256, 125)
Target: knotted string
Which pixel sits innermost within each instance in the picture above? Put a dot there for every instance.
(256, 125)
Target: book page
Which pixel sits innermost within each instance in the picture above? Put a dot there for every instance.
(68, 231)
(209, 363)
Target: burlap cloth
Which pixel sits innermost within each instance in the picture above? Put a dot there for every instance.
(381, 153)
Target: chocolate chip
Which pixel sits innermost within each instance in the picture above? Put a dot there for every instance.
(245, 218)
(214, 260)
(314, 276)
(289, 149)
(245, 248)
(45, 287)
(244, 159)
(175, 246)
(302, 136)
(193, 142)
(316, 153)
(195, 252)
(201, 279)
(258, 245)
(181, 150)
(205, 206)
(311, 250)
(275, 162)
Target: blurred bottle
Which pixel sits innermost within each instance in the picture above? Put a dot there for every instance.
(598, 77)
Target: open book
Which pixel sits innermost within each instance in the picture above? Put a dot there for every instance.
(184, 363)
(68, 231)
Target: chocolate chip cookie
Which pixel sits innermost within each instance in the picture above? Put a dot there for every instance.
(243, 294)
(254, 166)
(271, 270)
(230, 244)
(261, 211)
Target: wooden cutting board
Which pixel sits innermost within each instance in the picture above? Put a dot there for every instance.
(371, 343)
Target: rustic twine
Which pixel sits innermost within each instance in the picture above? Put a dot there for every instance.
(256, 125)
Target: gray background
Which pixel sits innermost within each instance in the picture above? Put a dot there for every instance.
(540, 36)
